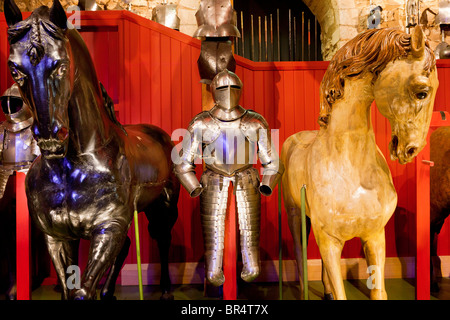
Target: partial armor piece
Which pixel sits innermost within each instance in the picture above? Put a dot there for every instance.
(215, 56)
(89, 5)
(229, 136)
(442, 50)
(166, 14)
(216, 18)
(18, 149)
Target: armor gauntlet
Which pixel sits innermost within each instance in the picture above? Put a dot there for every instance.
(257, 129)
(185, 170)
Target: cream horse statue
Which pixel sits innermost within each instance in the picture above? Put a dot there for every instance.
(349, 188)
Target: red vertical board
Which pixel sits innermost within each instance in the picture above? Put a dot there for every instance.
(230, 250)
(23, 244)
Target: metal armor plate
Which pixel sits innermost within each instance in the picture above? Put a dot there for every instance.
(216, 18)
(215, 56)
(231, 152)
(166, 14)
(443, 17)
(19, 149)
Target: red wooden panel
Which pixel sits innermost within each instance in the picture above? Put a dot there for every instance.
(144, 70)
(230, 249)
(134, 78)
(175, 84)
(155, 78)
(310, 105)
(165, 82)
(247, 99)
(23, 244)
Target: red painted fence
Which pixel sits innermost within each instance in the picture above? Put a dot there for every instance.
(151, 73)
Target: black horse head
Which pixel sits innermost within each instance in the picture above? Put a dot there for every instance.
(40, 63)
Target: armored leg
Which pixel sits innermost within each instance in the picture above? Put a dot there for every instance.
(213, 209)
(4, 176)
(248, 201)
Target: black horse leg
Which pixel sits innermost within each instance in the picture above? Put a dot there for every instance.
(63, 254)
(161, 216)
(434, 259)
(106, 243)
(109, 287)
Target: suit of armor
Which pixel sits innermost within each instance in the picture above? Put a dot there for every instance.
(228, 135)
(18, 149)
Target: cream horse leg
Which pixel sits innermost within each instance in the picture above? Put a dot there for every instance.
(294, 222)
(330, 250)
(298, 142)
(375, 252)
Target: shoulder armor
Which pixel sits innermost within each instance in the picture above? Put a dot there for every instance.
(205, 125)
(251, 123)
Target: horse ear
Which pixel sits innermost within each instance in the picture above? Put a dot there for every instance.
(58, 15)
(417, 42)
(12, 12)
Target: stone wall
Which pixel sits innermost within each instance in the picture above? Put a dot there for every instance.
(340, 20)
(186, 8)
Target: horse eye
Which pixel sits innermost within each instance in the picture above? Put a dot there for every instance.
(421, 95)
(17, 75)
(61, 71)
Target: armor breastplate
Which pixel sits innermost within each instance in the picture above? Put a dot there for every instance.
(19, 149)
(166, 14)
(231, 151)
(215, 56)
(443, 17)
(216, 18)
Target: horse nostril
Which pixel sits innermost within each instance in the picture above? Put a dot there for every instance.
(410, 151)
(394, 143)
(62, 134)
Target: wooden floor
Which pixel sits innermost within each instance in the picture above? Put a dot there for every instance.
(397, 289)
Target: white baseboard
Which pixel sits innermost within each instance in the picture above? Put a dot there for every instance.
(193, 272)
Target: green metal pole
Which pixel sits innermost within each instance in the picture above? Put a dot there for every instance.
(280, 247)
(138, 254)
(304, 243)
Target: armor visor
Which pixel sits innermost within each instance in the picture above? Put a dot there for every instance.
(18, 114)
(227, 97)
(11, 105)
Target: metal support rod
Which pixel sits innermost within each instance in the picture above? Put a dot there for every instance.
(278, 34)
(304, 243)
(271, 38)
(235, 43)
(138, 254)
(309, 40)
(290, 36)
(303, 36)
(265, 38)
(253, 38)
(315, 39)
(295, 39)
(280, 247)
(242, 33)
(259, 40)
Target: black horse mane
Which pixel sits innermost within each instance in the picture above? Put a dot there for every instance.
(39, 18)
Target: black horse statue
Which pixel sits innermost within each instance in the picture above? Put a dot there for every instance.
(92, 173)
